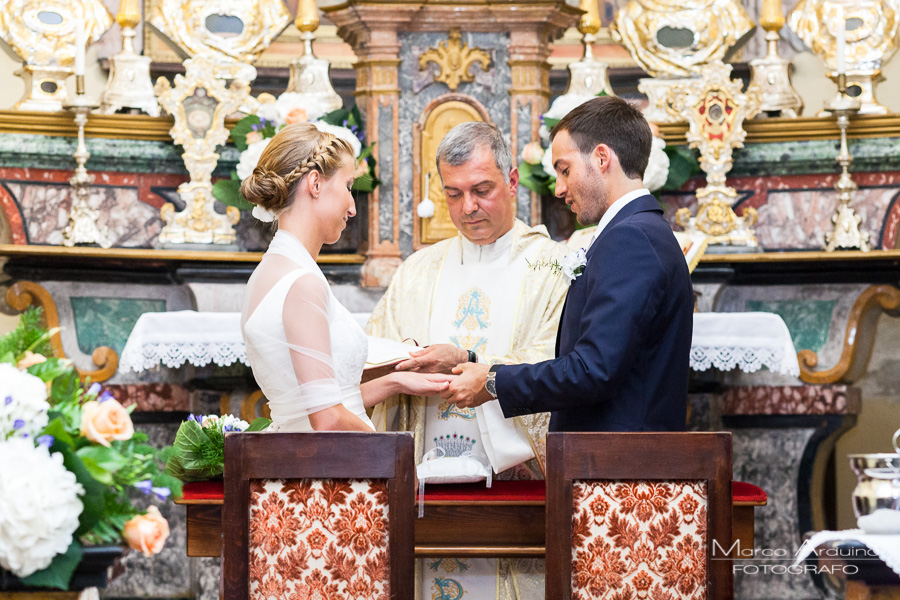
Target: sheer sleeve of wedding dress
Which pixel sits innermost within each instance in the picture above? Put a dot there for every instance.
(306, 351)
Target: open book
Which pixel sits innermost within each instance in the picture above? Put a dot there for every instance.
(693, 246)
(383, 355)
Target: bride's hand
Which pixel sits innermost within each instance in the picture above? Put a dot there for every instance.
(421, 384)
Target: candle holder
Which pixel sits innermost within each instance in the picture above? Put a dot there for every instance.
(772, 73)
(845, 234)
(308, 74)
(83, 226)
(129, 84)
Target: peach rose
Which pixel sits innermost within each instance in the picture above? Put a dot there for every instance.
(297, 115)
(30, 359)
(253, 137)
(532, 153)
(147, 533)
(104, 421)
(362, 168)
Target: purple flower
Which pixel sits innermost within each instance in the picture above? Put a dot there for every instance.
(46, 440)
(145, 486)
(161, 492)
(106, 395)
(193, 417)
(18, 424)
(7, 401)
(94, 389)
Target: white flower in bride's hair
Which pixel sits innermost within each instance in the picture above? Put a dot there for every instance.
(573, 264)
(250, 158)
(269, 112)
(657, 167)
(40, 506)
(262, 214)
(343, 133)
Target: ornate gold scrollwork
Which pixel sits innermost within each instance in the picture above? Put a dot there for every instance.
(715, 110)
(23, 294)
(859, 338)
(454, 58)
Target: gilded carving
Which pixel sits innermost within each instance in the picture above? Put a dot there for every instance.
(234, 30)
(440, 121)
(872, 34)
(715, 111)
(199, 102)
(675, 38)
(42, 33)
(454, 59)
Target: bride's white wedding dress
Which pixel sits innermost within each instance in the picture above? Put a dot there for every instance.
(306, 351)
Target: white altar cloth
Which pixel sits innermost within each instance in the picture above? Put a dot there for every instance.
(887, 547)
(748, 341)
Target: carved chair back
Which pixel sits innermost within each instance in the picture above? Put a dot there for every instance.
(639, 511)
(326, 512)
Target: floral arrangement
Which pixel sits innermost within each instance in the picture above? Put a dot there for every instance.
(70, 459)
(199, 449)
(668, 168)
(252, 134)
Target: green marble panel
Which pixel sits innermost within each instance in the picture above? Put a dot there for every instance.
(125, 156)
(103, 321)
(809, 321)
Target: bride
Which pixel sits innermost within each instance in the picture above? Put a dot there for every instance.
(306, 350)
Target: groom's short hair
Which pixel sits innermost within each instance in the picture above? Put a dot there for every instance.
(611, 121)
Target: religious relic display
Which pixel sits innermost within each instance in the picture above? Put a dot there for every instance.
(458, 300)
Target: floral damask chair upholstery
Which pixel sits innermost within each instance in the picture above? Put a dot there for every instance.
(318, 515)
(635, 515)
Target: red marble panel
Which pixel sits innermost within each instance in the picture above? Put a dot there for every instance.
(791, 400)
(152, 397)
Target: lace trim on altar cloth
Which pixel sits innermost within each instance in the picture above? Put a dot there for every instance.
(747, 359)
(173, 355)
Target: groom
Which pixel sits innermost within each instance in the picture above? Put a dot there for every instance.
(625, 335)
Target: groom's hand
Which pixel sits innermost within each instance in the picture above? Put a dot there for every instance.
(467, 390)
(436, 358)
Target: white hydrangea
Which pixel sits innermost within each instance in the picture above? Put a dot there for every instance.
(343, 133)
(250, 158)
(269, 111)
(232, 423)
(547, 163)
(288, 101)
(23, 403)
(658, 166)
(39, 506)
(565, 103)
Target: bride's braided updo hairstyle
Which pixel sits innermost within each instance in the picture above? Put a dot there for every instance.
(294, 151)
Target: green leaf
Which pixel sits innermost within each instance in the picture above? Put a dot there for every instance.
(50, 369)
(65, 388)
(57, 429)
(535, 178)
(101, 462)
(682, 166)
(228, 192)
(241, 129)
(259, 424)
(550, 123)
(58, 574)
(337, 117)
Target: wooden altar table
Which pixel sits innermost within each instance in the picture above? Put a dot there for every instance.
(463, 520)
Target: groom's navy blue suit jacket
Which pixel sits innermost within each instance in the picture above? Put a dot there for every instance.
(624, 338)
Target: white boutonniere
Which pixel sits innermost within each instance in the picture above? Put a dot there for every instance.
(571, 267)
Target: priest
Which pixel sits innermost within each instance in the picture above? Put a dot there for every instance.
(477, 298)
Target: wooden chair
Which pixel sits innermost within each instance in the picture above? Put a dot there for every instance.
(639, 511)
(319, 512)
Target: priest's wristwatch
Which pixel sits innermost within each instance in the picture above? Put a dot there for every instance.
(491, 383)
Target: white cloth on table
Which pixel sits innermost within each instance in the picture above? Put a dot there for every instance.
(173, 338)
(887, 547)
(748, 341)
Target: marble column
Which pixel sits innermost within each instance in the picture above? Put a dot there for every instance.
(394, 91)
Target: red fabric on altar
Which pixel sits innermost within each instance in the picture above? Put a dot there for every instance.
(500, 491)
